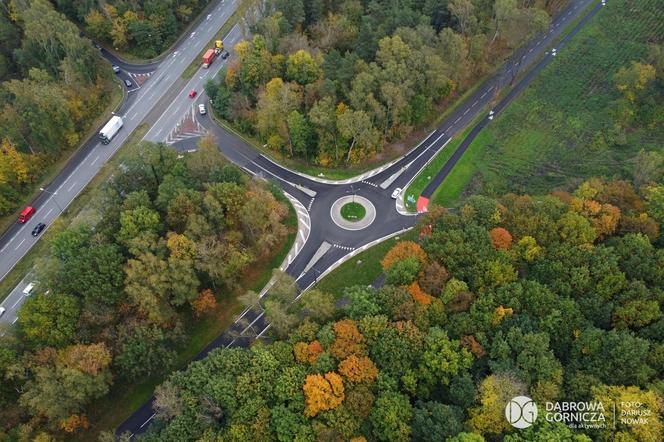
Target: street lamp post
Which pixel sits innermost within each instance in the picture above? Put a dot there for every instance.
(54, 198)
(352, 190)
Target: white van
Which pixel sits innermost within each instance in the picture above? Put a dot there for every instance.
(27, 291)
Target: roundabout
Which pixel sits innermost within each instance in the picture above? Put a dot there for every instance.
(353, 212)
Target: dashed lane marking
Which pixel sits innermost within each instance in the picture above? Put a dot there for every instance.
(348, 248)
(19, 244)
(370, 183)
(94, 161)
(72, 186)
(141, 78)
(49, 211)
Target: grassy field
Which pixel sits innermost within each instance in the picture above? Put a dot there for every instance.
(362, 269)
(558, 132)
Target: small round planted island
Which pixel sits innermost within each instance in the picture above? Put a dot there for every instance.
(353, 211)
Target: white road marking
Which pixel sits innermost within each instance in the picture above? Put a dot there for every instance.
(149, 419)
(457, 120)
(19, 244)
(466, 111)
(14, 321)
(49, 211)
(95, 160)
(17, 301)
(474, 104)
(484, 95)
(72, 186)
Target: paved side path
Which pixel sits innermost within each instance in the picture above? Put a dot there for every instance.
(520, 86)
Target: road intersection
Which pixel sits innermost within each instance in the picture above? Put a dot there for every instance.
(162, 102)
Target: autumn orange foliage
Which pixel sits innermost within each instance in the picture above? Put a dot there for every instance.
(89, 359)
(204, 303)
(322, 393)
(307, 353)
(473, 346)
(403, 250)
(348, 341)
(418, 294)
(501, 238)
(74, 423)
(357, 370)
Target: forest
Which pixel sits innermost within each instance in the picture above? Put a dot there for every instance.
(331, 83)
(557, 297)
(143, 28)
(166, 239)
(52, 87)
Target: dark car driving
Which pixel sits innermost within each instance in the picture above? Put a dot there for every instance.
(38, 229)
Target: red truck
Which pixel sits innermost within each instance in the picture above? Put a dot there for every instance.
(208, 57)
(26, 214)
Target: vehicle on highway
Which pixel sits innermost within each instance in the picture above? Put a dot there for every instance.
(26, 214)
(192, 93)
(224, 55)
(128, 83)
(107, 133)
(38, 229)
(2, 311)
(396, 193)
(116, 69)
(201, 109)
(27, 291)
(209, 57)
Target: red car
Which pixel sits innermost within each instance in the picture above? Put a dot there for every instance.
(192, 94)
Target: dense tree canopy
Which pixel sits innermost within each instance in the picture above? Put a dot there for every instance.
(52, 87)
(332, 82)
(578, 318)
(116, 297)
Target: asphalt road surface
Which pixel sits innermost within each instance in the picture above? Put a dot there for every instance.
(327, 244)
(161, 100)
(142, 103)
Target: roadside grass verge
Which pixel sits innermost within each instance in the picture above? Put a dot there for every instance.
(52, 170)
(429, 172)
(362, 269)
(25, 265)
(123, 400)
(560, 130)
